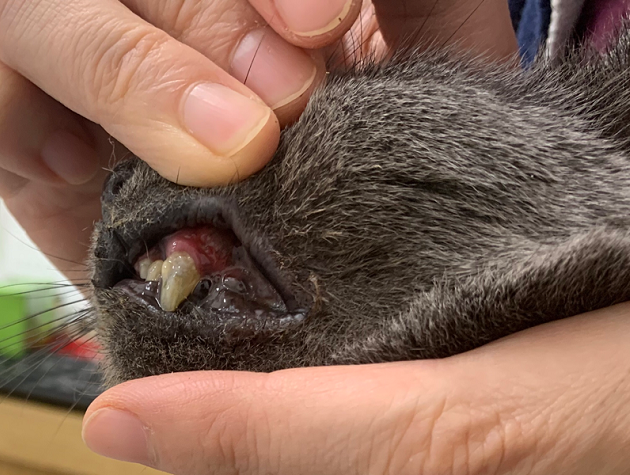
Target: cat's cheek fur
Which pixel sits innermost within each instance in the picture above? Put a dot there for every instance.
(424, 207)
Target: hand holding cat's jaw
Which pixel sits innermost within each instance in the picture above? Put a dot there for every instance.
(553, 399)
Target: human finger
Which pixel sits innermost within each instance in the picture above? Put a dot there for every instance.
(39, 138)
(235, 37)
(309, 23)
(189, 119)
(553, 399)
(51, 169)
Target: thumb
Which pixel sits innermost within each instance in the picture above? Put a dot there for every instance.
(480, 27)
(553, 399)
(169, 104)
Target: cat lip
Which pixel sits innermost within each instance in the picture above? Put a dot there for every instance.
(119, 248)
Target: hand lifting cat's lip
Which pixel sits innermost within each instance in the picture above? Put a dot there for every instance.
(198, 257)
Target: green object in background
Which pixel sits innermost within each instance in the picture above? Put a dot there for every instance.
(13, 325)
(28, 314)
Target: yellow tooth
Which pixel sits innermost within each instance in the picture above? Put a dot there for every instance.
(179, 279)
(143, 267)
(154, 272)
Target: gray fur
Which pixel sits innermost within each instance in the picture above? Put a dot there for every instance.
(418, 209)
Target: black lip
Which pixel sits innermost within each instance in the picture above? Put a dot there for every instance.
(118, 248)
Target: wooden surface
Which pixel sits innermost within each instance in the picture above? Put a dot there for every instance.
(10, 469)
(36, 439)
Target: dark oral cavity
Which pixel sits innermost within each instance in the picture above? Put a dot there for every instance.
(207, 268)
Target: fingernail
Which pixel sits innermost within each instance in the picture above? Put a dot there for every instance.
(275, 70)
(70, 158)
(222, 119)
(117, 434)
(312, 17)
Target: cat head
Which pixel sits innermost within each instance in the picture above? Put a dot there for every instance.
(398, 183)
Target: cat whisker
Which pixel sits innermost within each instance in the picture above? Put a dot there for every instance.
(52, 256)
(92, 374)
(72, 317)
(33, 368)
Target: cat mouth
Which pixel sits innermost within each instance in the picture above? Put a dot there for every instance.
(203, 262)
(206, 267)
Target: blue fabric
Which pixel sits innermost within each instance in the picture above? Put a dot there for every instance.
(516, 10)
(531, 20)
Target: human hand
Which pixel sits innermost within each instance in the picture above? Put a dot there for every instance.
(554, 399)
(73, 72)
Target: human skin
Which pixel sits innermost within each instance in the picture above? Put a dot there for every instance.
(72, 73)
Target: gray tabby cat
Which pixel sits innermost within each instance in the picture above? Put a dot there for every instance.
(417, 210)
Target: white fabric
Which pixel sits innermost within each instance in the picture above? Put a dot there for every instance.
(564, 16)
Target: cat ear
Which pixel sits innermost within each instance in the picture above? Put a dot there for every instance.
(520, 290)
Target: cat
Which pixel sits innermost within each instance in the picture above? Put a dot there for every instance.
(418, 209)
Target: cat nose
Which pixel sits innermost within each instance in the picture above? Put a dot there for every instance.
(115, 181)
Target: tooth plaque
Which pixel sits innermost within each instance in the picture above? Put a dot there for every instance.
(154, 272)
(179, 278)
(143, 267)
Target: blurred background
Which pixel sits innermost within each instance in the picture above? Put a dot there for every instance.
(48, 366)
(19, 258)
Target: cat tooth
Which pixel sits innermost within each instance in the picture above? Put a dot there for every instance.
(179, 279)
(154, 272)
(143, 267)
